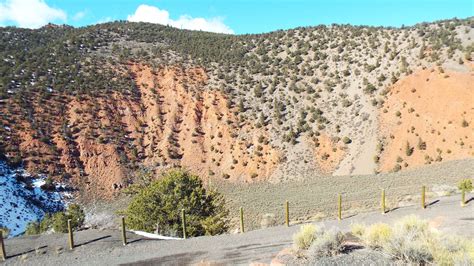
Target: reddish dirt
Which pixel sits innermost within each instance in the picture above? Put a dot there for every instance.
(199, 129)
(434, 108)
(95, 142)
(328, 153)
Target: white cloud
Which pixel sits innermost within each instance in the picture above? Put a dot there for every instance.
(79, 15)
(29, 13)
(152, 14)
(104, 20)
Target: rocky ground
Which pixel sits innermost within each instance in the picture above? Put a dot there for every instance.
(104, 247)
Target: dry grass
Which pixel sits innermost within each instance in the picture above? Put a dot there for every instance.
(412, 240)
(315, 242)
(373, 236)
(328, 243)
(305, 237)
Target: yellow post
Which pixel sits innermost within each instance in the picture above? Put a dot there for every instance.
(71, 237)
(242, 229)
(423, 190)
(383, 201)
(183, 220)
(463, 198)
(339, 209)
(287, 213)
(3, 254)
(124, 235)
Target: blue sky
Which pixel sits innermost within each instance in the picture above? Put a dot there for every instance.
(232, 16)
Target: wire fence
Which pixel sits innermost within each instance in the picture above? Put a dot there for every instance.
(254, 214)
(262, 214)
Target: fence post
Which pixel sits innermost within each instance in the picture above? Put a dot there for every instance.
(287, 213)
(124, 235)
(383, 201)
(463, 198)
(71, 237)
(339, 207)
(3, 254)
(242, 228)
(423, 191)
(183, 219)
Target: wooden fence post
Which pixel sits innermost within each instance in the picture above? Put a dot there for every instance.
(242, 228)
(3, 254)
(71, 237)
(463, 198)
(124, 234)
(339, 207)
(383, 201)
(183, 219)
(287, 213)
(423, 202)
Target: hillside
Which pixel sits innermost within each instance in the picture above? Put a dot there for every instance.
(107, 105)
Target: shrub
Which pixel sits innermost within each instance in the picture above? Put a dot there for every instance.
(376, 235)
(326, 243)
(465, 185)
(60, 222)
(357, 230)
(317, 242)
(346, 140)
(48, 185)
(159, 205)
(46, 223)
(408, 149)
(305, 237)
(5, 231)
(32, 228)
(453, 250)
(397, 168)
(76, 214)
(39, 227)
(411, 240)
(370, 88)
(421, 144)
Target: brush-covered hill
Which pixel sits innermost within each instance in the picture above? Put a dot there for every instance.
(104, 106)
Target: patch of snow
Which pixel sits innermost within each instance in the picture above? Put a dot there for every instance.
(21, 203)
(155, 236)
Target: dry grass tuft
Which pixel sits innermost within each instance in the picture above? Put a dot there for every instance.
(376, 235)
(305, 237)
(312, 241)
(327, 243)
(412, 240)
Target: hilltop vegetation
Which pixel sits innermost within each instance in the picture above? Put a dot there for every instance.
(97, 106)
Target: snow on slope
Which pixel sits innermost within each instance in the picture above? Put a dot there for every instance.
(21, 203)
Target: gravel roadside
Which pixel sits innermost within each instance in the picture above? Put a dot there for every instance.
(103, 247)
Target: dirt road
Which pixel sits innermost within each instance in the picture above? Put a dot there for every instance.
(97, 247)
